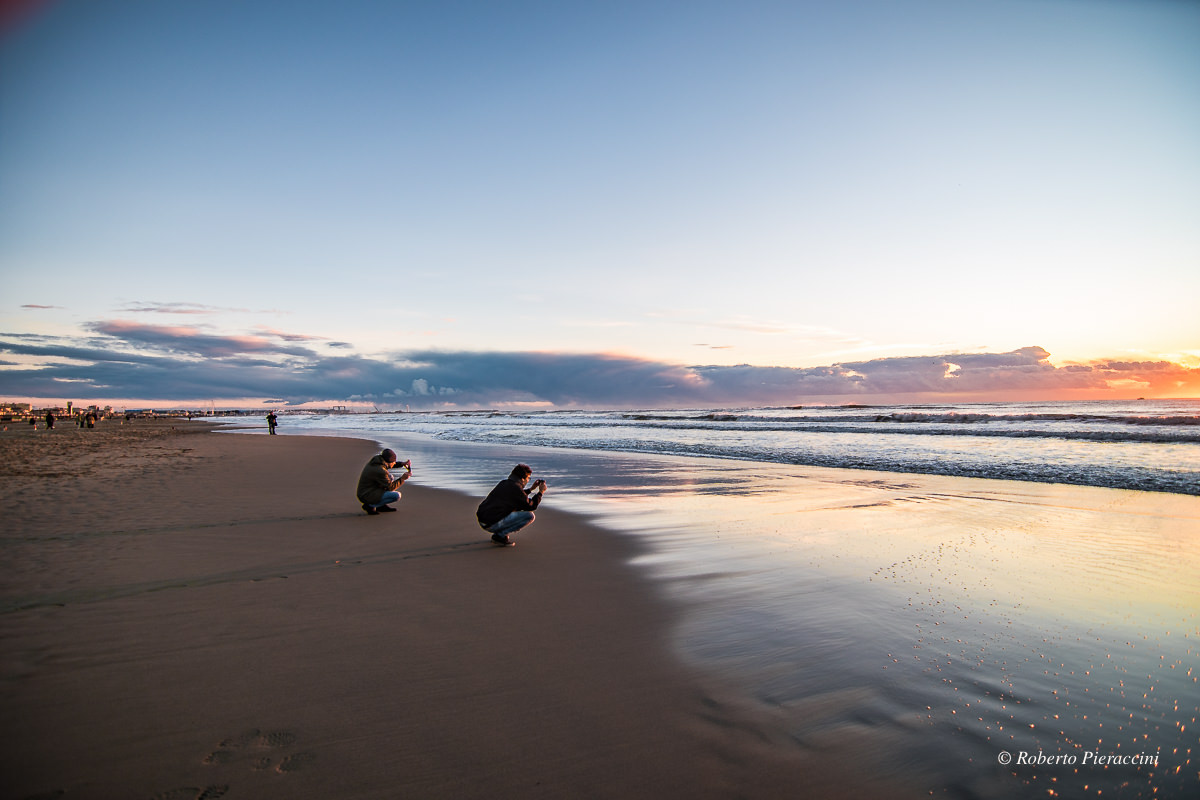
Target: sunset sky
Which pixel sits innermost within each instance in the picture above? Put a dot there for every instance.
(601, 203)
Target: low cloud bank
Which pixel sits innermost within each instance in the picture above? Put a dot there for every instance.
(120, 359)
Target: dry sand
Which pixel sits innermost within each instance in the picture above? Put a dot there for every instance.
(198, 615)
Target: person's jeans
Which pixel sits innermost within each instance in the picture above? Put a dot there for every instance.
(388, 497)
(511, 524)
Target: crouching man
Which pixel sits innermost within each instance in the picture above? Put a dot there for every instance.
(376, 486)
(509, 507)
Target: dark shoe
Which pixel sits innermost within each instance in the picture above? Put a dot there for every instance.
(386, 508)
(503, 541)
(370, 509)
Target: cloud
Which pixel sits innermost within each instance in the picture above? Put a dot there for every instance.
(172, 308)
(290, 337)
(35, 305)
(813, 333)
(122, 359)
(142, 307)
(192, 342)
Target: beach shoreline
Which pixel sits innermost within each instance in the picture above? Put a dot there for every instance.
(927, 625)
(194, 615)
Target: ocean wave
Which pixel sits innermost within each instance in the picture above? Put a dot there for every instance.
(871, 427)
(966, 419)
(1133, 478)
(916, 417)
(1164, 437)
(713, 416)
(1151, 446)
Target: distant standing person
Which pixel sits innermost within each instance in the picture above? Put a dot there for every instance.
(49, 420)
(272, 421)
(510, 506)
(376, 486)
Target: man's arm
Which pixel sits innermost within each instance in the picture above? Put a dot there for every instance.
(393, 483)
(523, 500)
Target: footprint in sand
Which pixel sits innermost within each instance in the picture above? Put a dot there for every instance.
(192, 793)
(220, 756)
(244, 745)
(295, 762)
(243, 739)
(276, 739)
(248, 746)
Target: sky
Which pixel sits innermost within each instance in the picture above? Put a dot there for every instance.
(598, 203)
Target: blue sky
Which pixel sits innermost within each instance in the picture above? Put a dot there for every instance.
(419, 203)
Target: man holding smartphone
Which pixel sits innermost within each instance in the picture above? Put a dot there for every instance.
(376, 486)
(510, 506)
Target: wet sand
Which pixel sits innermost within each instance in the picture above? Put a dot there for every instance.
(929, 627)
(191, 615)
(982, 638)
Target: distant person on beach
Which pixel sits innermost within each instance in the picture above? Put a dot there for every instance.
(49, 420)
(510, 506)
(377, 487)
(272, 421)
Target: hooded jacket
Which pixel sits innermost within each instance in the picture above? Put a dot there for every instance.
(374, 481)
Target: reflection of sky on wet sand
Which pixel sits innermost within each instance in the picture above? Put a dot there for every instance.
(940, 620)
(1003, 616)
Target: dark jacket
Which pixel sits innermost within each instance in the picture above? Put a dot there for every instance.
(507, 497)
(375, 480)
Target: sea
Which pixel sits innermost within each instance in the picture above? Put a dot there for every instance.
(1146, 445)
(1036, 633)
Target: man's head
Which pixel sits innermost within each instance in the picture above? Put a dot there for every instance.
(520, 473)
(389, 456)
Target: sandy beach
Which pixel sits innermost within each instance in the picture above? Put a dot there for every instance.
(195, 615)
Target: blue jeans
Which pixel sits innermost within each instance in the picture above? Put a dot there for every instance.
(388, 497)
(510, 524)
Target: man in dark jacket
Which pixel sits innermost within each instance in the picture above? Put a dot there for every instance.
(509, 507)
(377, 487)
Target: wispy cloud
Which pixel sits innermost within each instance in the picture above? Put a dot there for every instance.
(192, 341)
(811, 333)
(289, 337)
(145, 307)
(172, 308)
(37, 306)
(163, 363)
(758, 326)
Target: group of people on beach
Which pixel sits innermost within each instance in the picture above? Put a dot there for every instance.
(87, 420)
(507, 509)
